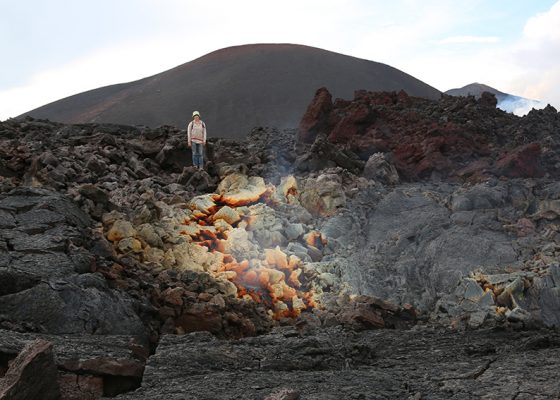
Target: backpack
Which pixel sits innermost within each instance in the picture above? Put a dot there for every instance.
(203, 125)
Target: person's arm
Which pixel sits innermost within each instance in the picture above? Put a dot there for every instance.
(189, 130)
(204, 130)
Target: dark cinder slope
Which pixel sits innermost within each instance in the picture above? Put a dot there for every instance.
(235, 89)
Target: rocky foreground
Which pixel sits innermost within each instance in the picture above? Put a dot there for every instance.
(337, 364)
(391, 247)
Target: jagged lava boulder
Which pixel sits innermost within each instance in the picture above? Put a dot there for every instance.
(455, 137)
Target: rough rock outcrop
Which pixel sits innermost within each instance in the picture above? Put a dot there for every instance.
(390, 212)
(75, 366)
(334, 364)
(424, 239)
(48, 282)
(32, 374)
(455, 137)
(315, 121)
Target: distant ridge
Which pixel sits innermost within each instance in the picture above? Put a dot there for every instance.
(235, 89)
(507, 102)
(476, 89)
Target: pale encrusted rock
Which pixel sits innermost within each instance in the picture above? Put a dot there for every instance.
(323, 196)
(148, 233)
(227, 214)
(203, 203)
(377, 167)
(129, 244)
(238, 190)
(121, 229)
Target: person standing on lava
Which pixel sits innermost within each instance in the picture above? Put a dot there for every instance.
(196, 138)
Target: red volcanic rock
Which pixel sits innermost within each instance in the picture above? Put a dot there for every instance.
(391, 122)
(452, 138)
(403, 97)
(420, 158)
(344, 130)
(358, 118)
(361, 317)
(521, 162)
(173, 296)
(32, 375)
(106, 366)
(315, 119)
(200, 317)
(476, 170)
(83, 387)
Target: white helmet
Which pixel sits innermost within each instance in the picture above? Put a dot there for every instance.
(195, 113)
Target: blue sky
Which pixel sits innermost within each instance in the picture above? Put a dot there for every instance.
(55, 48)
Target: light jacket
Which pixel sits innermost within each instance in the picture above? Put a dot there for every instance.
(197, 133)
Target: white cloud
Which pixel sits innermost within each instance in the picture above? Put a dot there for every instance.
(544, 26)
(538, 56)
(469, 39)
(529, 67)
(118, 64)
